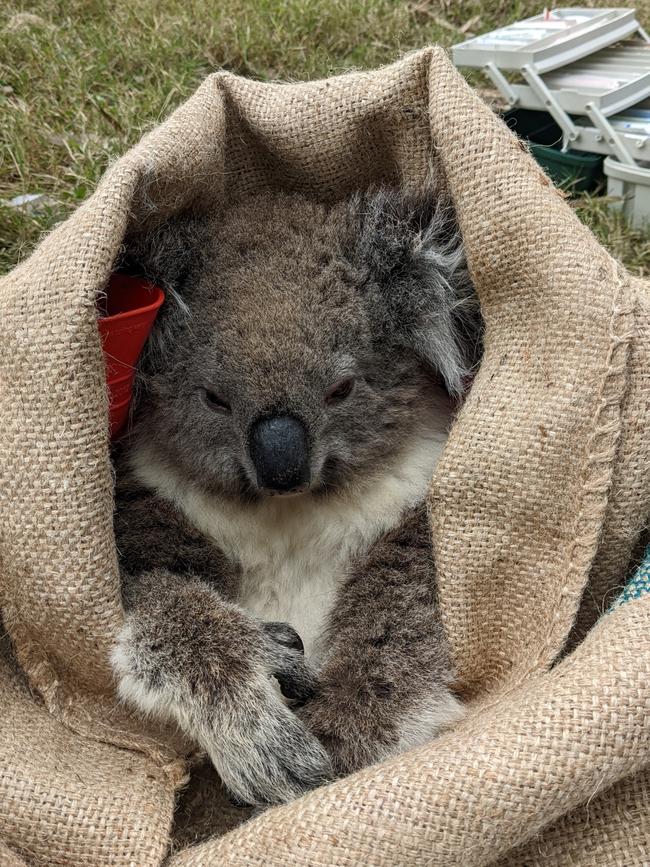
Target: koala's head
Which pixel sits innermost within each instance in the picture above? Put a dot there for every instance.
(302, 345)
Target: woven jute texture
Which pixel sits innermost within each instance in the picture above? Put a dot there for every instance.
(538, 505)
(63, 797)
(611, 830)
(9, 858)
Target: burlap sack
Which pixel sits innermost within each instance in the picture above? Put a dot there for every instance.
(9, 858)
(544, 481)
(611, 830)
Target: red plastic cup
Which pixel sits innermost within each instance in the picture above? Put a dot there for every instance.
(126, 317)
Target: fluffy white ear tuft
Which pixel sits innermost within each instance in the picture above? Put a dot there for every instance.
(419, 291)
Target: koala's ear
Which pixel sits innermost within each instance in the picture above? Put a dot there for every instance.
(418, 289)
(170, 253)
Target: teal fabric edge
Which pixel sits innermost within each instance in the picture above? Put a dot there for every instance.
(639, 584)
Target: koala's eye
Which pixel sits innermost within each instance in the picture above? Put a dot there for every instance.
(215, 401)
(339, 391)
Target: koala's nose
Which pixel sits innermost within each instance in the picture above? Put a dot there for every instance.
(279, 448)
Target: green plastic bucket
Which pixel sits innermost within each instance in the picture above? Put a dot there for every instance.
(573, 171)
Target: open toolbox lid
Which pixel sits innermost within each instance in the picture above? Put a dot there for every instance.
(548, 41)
(612, 79)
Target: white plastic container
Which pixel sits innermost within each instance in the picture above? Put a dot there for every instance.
(630, 184)
(613, 79)
(548, 41)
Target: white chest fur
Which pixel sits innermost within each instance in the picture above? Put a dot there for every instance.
(294, 552)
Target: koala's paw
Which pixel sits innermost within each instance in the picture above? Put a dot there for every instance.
(263, 752)
(227, 702)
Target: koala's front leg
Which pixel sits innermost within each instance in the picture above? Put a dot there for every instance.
(385, 682)
(189, 656)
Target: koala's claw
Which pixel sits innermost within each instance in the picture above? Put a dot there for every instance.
(286, 661)
(284, 634)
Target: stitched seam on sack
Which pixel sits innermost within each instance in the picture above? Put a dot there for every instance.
(601, 454)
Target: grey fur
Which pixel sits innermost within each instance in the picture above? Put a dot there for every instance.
(269, 305)
(418, 282)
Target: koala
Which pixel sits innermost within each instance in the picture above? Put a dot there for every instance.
(271, 519)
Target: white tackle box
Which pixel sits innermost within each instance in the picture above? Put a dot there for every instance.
(629, 186)
(572, 65)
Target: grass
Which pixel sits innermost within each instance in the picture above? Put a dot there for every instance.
(81, 80)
